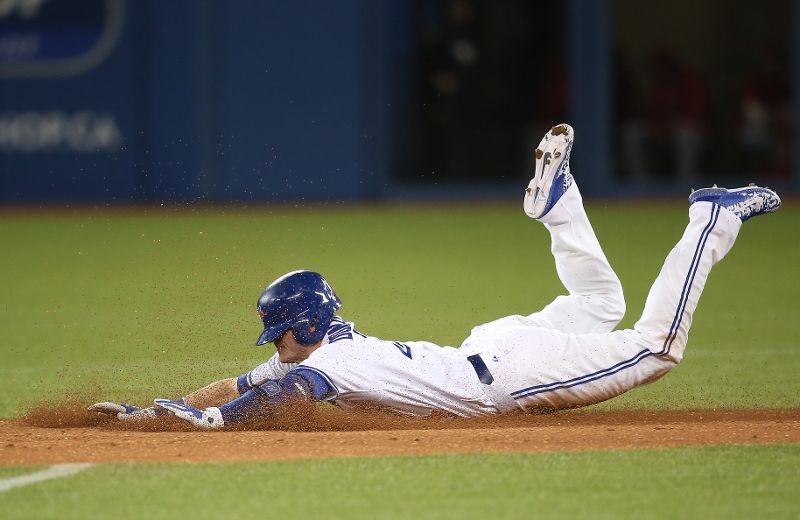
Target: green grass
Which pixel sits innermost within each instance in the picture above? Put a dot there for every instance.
(130, 305)
(127, 305)
(16, 471)
(720, 482)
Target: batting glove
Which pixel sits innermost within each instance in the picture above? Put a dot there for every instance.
(126, 412)
(207, 419)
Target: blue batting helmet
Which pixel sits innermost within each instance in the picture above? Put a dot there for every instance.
(302, 301)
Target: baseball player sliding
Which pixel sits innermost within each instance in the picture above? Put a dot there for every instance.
(564, 356)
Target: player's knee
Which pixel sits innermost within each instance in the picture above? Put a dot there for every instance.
(614, 307)
(672, 357)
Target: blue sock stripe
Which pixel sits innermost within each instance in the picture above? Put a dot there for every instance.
(690, 275)
(582, 379)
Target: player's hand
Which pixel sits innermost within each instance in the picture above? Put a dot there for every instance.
(207, 419)
(125, 411)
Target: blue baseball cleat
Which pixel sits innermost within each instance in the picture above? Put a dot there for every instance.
(551, 177)
(743, 202)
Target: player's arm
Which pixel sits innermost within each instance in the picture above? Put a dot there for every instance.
(215, 394)
(271, 369)
(225, 390)
(302, 383)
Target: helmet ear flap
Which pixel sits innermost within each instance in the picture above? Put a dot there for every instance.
(309, 332)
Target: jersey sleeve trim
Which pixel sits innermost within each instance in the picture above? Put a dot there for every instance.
(324, 377)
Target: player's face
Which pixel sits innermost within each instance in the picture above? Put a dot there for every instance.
(289, 350)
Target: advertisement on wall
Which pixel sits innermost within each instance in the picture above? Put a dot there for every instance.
(65, 100)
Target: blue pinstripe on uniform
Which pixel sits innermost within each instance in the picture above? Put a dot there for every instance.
(687, 284)
(569, 383)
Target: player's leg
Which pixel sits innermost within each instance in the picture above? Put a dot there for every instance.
(595, 302)
(567, 370)
(715, 216)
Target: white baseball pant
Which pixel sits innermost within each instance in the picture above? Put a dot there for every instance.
(566, 355)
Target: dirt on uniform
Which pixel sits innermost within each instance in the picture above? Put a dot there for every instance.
(44, 436)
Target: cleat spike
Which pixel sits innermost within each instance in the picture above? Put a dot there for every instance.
(552, 177)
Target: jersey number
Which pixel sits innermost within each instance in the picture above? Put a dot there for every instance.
(405, 349)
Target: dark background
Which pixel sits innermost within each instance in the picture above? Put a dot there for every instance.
(182, 101)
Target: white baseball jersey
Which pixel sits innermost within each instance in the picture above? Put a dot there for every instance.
(413, 377)
(563, 356)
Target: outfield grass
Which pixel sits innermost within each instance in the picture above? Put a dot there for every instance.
(127, 305)
(720, 482)
(15, 471)
(130, 305)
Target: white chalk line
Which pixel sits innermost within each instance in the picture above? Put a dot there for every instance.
(57, 471)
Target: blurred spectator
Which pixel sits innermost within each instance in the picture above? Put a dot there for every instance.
(449, 64)
(672, 121)
(480, 83)
(764, 115)
(553, 100)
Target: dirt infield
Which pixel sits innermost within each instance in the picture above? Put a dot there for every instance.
(42, 438)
